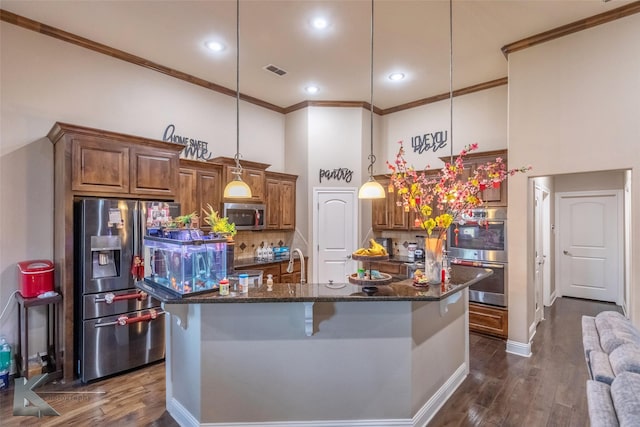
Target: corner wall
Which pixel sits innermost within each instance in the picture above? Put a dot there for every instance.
(573, 107)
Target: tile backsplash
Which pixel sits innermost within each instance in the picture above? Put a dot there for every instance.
(246, 242)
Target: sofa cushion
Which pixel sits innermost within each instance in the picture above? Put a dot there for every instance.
(600, 367)
(615, 330)
(625, 358)
(601, 409)
(625, 394)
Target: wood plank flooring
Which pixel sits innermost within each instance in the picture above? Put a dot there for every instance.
(547, 389)
(502, 389)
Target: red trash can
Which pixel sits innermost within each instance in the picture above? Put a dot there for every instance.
(36, 277)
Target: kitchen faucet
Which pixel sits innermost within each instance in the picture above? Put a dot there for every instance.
(290, 266)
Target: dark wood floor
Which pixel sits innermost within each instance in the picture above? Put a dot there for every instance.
(547, 389)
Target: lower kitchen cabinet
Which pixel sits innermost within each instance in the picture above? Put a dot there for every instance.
(489, 320)
(274, 270)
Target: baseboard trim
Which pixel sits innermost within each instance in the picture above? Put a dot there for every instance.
(433, 405)
(181, 414)
(422, 417)
(553, 297)
(532, 331)
(519, 348)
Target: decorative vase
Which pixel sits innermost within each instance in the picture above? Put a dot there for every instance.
(433, 260)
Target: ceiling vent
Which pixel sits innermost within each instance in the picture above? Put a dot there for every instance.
(275, 70)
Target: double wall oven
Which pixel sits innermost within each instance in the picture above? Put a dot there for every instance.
(481, 240)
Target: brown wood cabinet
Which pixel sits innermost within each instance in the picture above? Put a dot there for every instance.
(394, 268)
(295, 276)
(274, 270)
(490, 196)
(200, 185)
(253, 174)
(387, 215)
(101, 164)
(95, 163)
(280, 201)
(489, 320)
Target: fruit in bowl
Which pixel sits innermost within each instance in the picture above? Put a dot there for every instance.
(374, 249)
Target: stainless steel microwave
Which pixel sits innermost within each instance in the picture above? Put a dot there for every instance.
(246, 216)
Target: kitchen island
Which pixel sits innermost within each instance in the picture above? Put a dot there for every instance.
(317, 354)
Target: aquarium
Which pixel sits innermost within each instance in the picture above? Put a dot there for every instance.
(185, 267)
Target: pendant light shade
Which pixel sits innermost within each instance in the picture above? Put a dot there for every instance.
(237, 189)
(371, 189)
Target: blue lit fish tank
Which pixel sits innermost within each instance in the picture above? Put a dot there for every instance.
(185, 264)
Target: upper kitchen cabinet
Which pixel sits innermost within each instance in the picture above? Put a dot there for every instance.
(387, 215)
(200, 185)
(107, 162)
(490, 196)
(280, 201)
(253, 174)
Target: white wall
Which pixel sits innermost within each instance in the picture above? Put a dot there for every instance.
(44, 80)
(477, 117)
(574, 105)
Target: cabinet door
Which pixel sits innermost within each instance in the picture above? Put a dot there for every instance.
(273, 203)
(100, 166)
(399, 218)
(208, 192)
(380, 210)
(287, 205)
(490, 196)
(253, 178)
(187, 192)
(154, 172)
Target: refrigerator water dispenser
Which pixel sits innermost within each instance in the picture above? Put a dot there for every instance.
(105, 256)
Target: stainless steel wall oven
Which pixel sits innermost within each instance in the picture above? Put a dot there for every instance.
(481, 240)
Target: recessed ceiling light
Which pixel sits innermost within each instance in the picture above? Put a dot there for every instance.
(215, 46)
(396, 76)
(320, 23)
(312, 89)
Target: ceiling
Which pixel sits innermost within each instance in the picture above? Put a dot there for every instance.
(410, 36)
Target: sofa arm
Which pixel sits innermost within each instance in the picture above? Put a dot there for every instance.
(601, 410)
(590, 336)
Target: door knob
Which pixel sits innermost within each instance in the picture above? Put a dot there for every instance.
(565, 252)
(349, 256)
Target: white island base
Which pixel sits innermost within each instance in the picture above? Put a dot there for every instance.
(365, 363)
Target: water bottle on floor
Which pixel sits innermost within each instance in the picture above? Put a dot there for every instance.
(5, 362)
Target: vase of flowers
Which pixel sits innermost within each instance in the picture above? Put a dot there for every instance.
(453, 196)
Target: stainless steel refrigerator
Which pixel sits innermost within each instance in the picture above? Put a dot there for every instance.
(117, 327)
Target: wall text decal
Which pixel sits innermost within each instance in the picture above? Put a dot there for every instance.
(429, 141)
(344, 174)
(194, 149)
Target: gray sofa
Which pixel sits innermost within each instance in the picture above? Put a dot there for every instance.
(612, 352)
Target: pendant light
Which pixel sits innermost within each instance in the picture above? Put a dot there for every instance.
(237, 188)
(371, 189)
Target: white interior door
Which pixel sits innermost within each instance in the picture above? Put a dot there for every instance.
(590, 245)
(335, 233)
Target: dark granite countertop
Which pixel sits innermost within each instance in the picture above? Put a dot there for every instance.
(323, 292)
